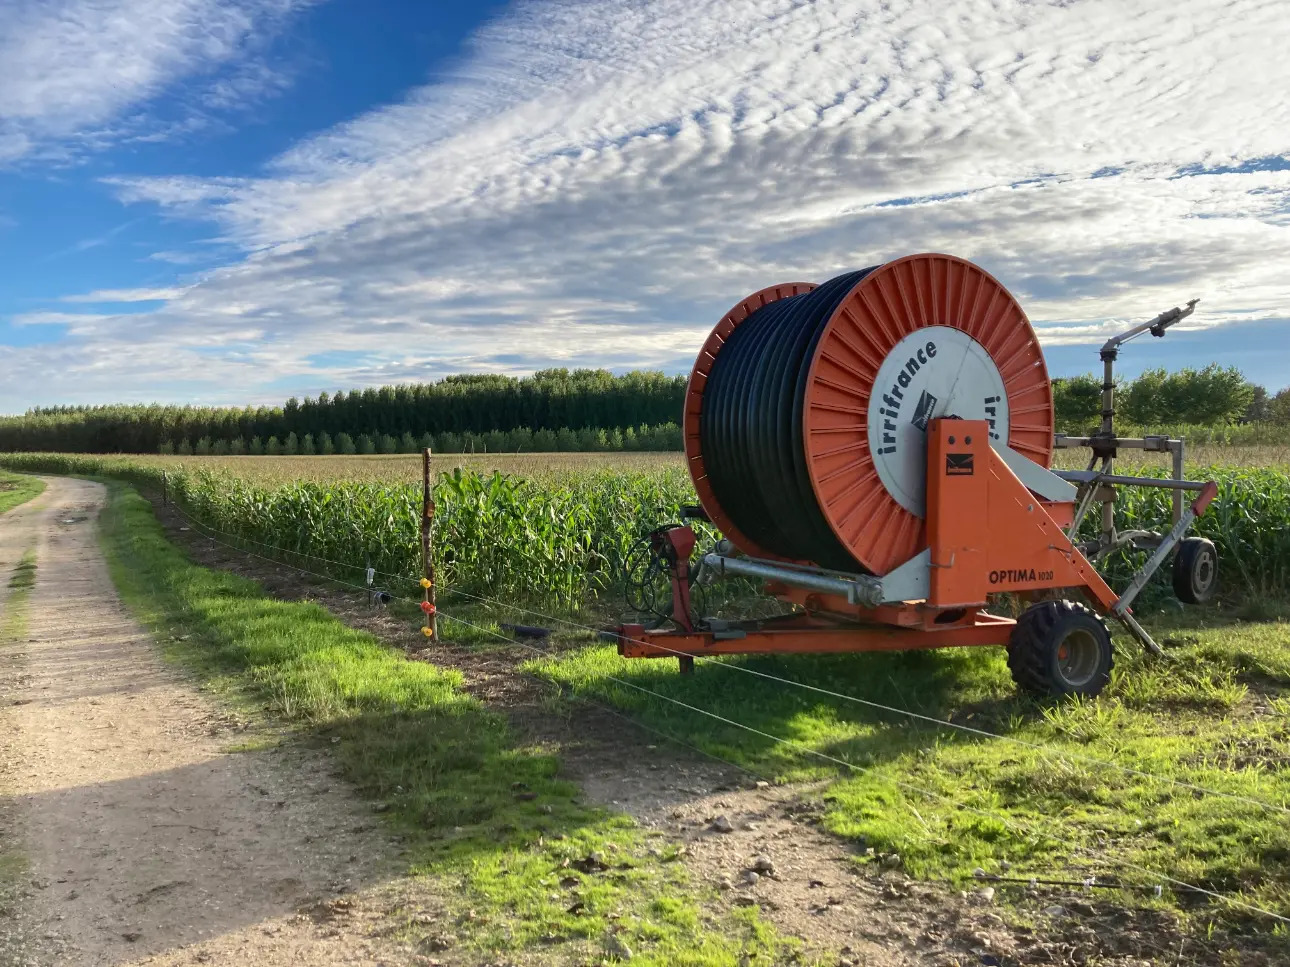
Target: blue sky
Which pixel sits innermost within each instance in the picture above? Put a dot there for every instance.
(225, 201)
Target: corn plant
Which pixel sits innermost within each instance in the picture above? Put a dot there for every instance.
(560, 538)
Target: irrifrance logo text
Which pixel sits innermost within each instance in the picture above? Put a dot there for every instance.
(894, 399)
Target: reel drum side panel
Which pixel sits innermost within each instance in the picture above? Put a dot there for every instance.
(867, 497)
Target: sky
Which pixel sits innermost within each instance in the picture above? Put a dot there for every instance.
(236, 201)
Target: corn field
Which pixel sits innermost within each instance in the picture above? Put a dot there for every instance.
(559, 539)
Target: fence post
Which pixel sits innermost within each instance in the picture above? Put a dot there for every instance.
(428, 604)
(165, 488)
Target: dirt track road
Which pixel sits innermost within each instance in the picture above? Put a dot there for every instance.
(129, 832)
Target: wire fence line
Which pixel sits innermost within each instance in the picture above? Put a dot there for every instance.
(1042, 748)
(1047, 750)
(931, 794)
(1175, 956)
(996, 815)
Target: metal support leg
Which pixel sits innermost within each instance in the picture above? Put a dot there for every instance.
(1140, 633)
(1153, 562)
(687, 664)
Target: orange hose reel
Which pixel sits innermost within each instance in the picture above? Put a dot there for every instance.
(861, 428)
(876, 450)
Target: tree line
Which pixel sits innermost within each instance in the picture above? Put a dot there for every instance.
(459, 411)
(553, 410)
(1212, 396)
(664, 436)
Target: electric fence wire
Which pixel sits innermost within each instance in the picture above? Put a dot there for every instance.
(1006, 821)
(1087, 883)
(1045, 749)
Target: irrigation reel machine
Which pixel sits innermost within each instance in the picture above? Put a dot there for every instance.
(877, 450)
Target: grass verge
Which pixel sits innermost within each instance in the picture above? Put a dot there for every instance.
(13, 621)
(13, 863)
(536, 870)
(17, 489)
(1215, 714)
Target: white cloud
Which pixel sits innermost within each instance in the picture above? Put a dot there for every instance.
(77, 71)
(599, 182)
(126, 295)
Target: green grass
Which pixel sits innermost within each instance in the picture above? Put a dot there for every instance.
(480, 811)
(1213, 715)
(13, 627)
(13, 621)
(1216, 714)
(17, 489)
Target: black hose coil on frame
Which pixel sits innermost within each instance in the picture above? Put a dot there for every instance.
(751, 426)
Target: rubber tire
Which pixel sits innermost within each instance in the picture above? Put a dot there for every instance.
(1191, 552)
(1039, 632)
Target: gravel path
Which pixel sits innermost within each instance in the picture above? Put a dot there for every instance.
(130, 832)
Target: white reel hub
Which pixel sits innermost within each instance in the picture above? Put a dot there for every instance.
(933, 372)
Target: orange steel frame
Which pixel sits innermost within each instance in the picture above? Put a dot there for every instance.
(987, 533)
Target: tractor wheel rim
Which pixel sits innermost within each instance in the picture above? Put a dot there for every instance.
(1078, 657)
(1204, 572)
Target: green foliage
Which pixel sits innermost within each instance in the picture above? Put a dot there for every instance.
(1212, 395)
(1257, 410)
(1249, 523)
(459, 404)
(558, 542)
(1279, 408)
(1077, 403)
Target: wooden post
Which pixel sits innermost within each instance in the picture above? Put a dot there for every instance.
(165, 488)
(428, 606)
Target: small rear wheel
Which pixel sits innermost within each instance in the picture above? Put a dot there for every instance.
(1060, 648)
(1195, 570)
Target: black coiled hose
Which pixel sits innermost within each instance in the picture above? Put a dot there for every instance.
(751, 426)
